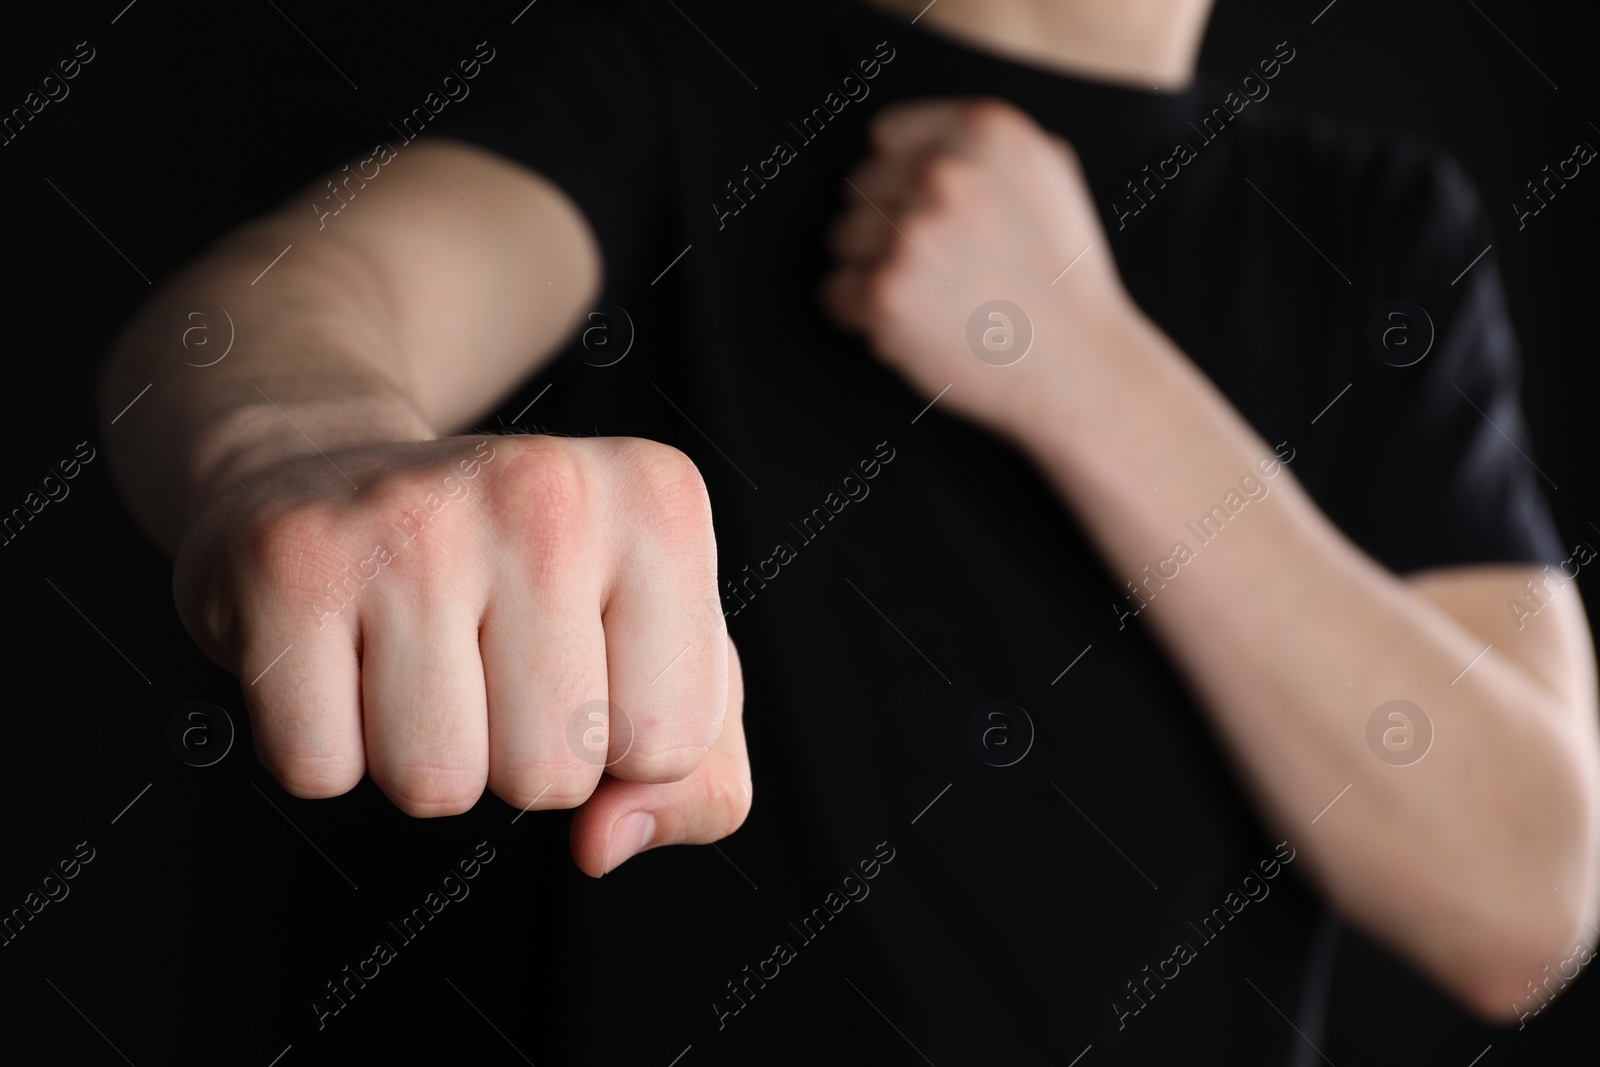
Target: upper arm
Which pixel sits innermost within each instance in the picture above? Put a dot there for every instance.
(479, 265)
(1429, 463)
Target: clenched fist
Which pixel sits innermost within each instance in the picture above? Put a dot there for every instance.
(960, 204)
(534, 614)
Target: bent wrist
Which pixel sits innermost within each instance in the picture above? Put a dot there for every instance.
(253, 437)
(1081, 359)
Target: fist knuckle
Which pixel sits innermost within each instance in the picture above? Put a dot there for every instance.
(949, 180)
(880, 294)
(424, 790)
(728, 798)
(565, 799)
(650, 763)
(547, 480)
(668, 498)
(924, 235)
(669, 479)
(568, 784)
(541, 787)
(990, 118)
(543, 502)
(316, 775)
(294, 545)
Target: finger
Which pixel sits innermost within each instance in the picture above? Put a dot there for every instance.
(625, 818)
(860, 235)
(918, 127)
(302, 686)
(424, 711)
(542, 642)
(544, 666)
(666, 656)
(884, 183)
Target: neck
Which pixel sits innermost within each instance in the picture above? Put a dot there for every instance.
(1150, 44)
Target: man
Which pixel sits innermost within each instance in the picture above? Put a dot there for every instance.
(1116, 314)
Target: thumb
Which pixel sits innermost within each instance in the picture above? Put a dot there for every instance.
(622, 819)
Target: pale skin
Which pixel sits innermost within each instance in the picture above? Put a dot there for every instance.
(565, 572)
(1403, 853)
(458, 667)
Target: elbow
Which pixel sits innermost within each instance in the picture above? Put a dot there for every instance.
(1529, 952)
(1524, 966)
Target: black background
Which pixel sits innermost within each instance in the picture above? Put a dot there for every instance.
(206, 920)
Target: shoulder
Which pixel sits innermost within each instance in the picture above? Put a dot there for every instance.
(1392, 177)
(1393, 206)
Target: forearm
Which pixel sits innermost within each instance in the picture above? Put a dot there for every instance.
(407, 318)
(1292, 638)
(312, 366)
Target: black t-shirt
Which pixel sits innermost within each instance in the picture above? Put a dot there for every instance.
(889, 574)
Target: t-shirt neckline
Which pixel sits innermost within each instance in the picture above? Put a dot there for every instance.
(1096, 117)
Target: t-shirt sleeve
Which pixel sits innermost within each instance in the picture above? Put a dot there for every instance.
(1437, 468)
(576, 95)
